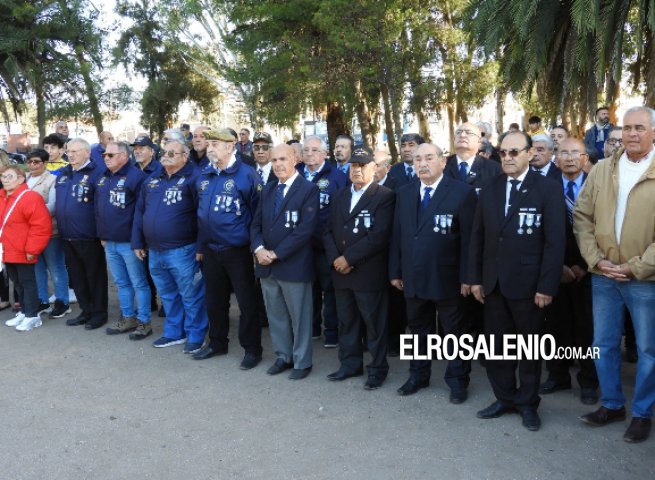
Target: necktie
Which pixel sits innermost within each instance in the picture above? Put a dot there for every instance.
(463, 171)
(513, 192)
(426, 198)
(279, 197)
(261, 173)
(569, 196)
(409, 172)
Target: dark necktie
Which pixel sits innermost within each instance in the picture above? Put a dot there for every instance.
(279, 197)
(463, 171)
(513, 192)
(570, 200)
(426, 198)
(261, 173)
(409, 173)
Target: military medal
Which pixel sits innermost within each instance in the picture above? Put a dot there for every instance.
(367, 221)
(294, 218)
(436, 223)
(228, 202)
(449, 219)
(287, 216)
(218, 199)
(355, 230)
(520, 231)
(237, 205)
(537, 221)
(443, 223)
(529, 221)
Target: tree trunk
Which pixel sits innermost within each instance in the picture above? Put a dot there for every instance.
(85, 70)
(396, 109)
(40, 108)
(388, 124)
(500, 111)
(364, 117)
(451, 127)
(423, 125)
(649, 70)
(335, 123)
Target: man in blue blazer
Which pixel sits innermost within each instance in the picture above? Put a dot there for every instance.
(281, 234)
(428, 261)
(403, 172)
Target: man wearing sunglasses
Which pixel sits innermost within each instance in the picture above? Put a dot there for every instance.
(261, 150)
(516, 259)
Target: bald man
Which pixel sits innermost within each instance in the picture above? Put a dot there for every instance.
(99, 148)
(281, 233)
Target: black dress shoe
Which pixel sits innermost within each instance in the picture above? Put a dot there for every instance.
(588, 396)
(341, 375)
(495, 410)
(81, 319)
(299, 373)
(209, 352)
(458, 395)
(373, 382)
(412, 386)
(531, 419)
(603, 416)
(279, 366)
(250, 360)
(95, 323)
(551, 386)
(638, 430)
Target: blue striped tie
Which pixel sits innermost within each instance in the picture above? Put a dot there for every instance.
(569, 196)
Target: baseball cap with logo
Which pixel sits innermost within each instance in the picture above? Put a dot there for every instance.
(361, 154)
(262, 137)
(143, 141)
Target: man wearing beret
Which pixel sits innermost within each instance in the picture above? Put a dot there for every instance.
(228, 192)
(356, 246)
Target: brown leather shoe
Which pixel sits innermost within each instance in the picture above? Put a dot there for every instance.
(603, 416)
(638, 430)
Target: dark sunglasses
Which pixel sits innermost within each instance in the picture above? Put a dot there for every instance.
(170, 153)
(513, 153)
(110, 155)
(263, 148)
(34, 162)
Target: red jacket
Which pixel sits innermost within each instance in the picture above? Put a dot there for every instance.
(29, 227)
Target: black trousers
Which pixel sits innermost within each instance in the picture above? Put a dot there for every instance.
(222, 271)
(85, 260)
(371, 307)
(323, 300)
(503, 316)
(397, 317)
(24, 279)
(570, 320)
(421, 316)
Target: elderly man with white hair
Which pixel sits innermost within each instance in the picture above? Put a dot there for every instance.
(85, 258)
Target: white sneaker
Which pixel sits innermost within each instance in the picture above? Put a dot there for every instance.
(71, 296)
(17, 320)
(52, 299)
(29, 323)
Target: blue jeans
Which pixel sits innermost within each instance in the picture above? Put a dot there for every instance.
(178, 279)
(52, 260)
(130, 278)
(609, 298)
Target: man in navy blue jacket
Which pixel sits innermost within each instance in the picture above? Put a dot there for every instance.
(428, 261)
(117, 191)
(85, 257)
(329, 180)
(228, 192)
(165, 222)
(281, 234)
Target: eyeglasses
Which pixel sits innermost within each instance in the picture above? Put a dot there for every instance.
(573, 155)
(8, 177)
(263, 148)
(110, 155)
(466, 133)
(513, 153)
(34, 162)
(170, 153)
(615, 141)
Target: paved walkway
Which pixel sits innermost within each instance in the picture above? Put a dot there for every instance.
(79, 404)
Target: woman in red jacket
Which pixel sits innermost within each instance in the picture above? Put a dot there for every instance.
(26, 229)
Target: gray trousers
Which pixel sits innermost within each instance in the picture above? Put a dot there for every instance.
(289, 311)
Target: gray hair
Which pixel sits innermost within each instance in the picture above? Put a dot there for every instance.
(323, 146)
(181, 142)
(387, 155)
(486, 126)
(175, 134)
(542, 137)
(649, 111)
(81, 142)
